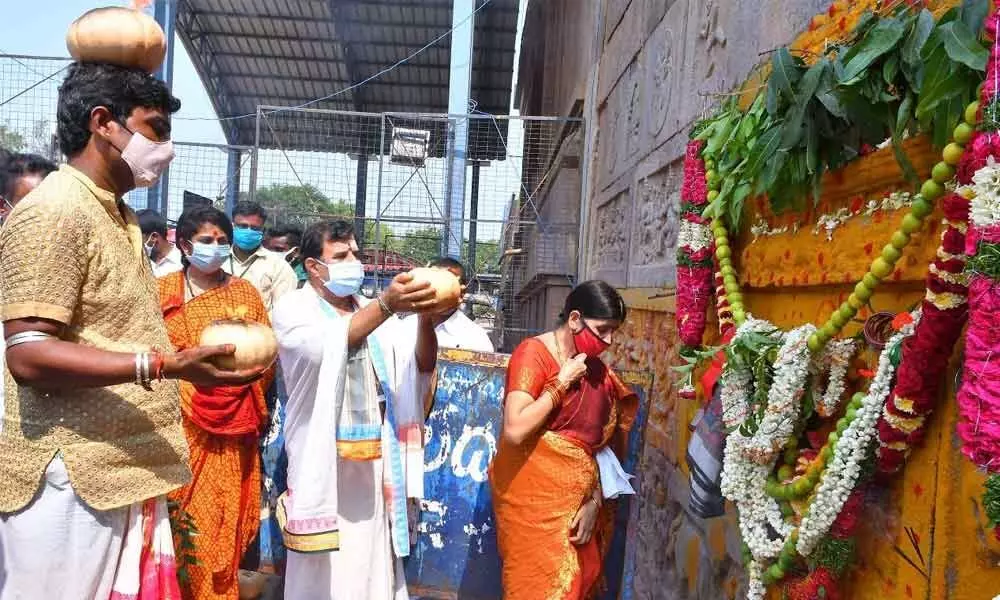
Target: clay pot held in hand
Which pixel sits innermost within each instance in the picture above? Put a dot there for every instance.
(447, 287)
(256, 346)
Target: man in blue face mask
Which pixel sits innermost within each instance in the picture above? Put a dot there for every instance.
(357, 378)
(269, 272)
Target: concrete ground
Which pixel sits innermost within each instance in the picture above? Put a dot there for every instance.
(260, 586)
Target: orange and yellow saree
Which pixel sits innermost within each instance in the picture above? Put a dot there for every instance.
(539, 486)
(222, 425)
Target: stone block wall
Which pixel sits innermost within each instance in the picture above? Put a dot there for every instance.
(641, 71)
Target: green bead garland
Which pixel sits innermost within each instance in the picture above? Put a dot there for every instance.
(883, 265)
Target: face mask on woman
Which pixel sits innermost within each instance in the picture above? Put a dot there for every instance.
(345, 278)
(588, 342)
(207, 258)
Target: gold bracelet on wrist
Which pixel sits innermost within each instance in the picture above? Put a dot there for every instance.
(386, 311)
(556, 390)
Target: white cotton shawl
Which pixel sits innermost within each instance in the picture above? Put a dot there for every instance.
(313, 353)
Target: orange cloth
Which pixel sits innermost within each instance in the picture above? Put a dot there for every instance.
(539, 486)
(223, 498)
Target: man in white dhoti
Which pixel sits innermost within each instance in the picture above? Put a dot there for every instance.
(356, 378)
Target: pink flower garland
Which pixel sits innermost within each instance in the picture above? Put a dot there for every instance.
(925, 354)
(694, 258)
(979, 395)
(978, 405)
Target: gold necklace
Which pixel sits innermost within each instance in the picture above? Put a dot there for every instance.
(560, 355)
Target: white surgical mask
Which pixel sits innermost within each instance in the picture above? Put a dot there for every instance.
(345, 278)
(147, 159)
(207, 258)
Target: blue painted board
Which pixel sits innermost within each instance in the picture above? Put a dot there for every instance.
(456, 550)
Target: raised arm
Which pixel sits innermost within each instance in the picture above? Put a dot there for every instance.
(402, 295)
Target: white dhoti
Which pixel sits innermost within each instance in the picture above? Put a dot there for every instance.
(365, 567)
(58, 548)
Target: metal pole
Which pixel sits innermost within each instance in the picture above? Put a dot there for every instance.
(232, 179)
(459, 84)
(360, 198)
(165, 13)
(253, 156)
(379, 242)
(473, 218)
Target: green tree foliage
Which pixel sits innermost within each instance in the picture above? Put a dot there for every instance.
(306, 198)
(304, 204)
(10, 141)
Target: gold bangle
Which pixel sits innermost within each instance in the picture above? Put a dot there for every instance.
(556, 392)
(386, 311)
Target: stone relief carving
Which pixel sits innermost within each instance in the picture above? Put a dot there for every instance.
(612, 133)
(623, 121)
(661, 73)
(633, 114)
(709, 31)
(611, 234)
(657, 218)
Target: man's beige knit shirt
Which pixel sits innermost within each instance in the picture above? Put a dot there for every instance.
(73, 253)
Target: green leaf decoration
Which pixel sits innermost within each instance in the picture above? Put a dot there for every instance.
(803, 96)
(882, 38)
(962, 46)
(991, 499)
(784, 73)
(973, 14)
(922, 27)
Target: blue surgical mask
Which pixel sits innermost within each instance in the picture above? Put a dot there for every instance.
(247, 239)
(345, 278)
(208, 258)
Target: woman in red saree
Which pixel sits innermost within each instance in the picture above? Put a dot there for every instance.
(563, 406)
(222, 424)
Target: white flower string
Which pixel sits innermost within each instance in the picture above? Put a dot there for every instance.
(849, 451)
(784, 399)
(736, 380)
(837, 358)
(984, 208)
(756, 590)
(694, 236)
(748, 462)
(828, 223)
(744, 480)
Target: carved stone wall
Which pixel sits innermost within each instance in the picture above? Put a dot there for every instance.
(661, 64)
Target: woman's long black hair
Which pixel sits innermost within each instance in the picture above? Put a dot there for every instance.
(595, 299)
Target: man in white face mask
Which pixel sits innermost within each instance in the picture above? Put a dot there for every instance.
(164, 256)
(92, 439)
(357, 377)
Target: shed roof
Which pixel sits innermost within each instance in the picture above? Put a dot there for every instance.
(289, 52)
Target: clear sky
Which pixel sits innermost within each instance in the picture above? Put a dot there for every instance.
(38, 28)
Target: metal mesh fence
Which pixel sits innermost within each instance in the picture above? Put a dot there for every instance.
(29, 89)
(515, 223)
(391, 173)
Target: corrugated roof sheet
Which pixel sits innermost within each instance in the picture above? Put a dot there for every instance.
(289, 52)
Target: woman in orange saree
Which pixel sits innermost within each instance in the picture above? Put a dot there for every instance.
(222, 424)
(563, 406)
